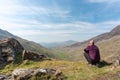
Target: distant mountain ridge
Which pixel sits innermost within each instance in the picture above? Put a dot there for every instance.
(58, 44)
(114, 32)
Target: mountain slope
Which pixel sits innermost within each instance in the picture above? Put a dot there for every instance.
(108, 43)
(114, 32)
(28, 45)
(5, 34)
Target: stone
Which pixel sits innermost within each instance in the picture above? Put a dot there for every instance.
(5, 77)
(22, 74)
(116, 61)
(9, 49)
(10, 59)
(28, 74)
(27, 55)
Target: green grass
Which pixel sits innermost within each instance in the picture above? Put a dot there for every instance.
(72, 70)
(60, 55)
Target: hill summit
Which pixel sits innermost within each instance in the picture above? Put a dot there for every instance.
(116, 30)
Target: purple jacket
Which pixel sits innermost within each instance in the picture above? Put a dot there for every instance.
(93, 52)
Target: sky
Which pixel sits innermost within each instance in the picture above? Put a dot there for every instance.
(58, 20)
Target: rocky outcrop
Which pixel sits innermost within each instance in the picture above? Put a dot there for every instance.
(37, 74)
(27, 55)
(9, 48)
(12, 50)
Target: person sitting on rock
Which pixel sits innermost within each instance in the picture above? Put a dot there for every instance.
(92, 54)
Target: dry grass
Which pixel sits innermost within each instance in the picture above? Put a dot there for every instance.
(72, 70)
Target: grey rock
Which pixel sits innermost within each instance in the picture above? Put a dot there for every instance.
(5, 77)
(27, 74)
(9, 48)
(116, 61)
(28, 55)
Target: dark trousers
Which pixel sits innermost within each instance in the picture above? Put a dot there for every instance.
(90, 61)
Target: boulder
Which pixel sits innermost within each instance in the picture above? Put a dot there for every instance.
(116, 61)
(27, 55)
(37, 74)
(9, 49)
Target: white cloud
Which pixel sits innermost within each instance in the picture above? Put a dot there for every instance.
(59, 31)
(14, 7)
(102, 1)
(40, 32)
(7, 7)
(16, 16)
(18, 24)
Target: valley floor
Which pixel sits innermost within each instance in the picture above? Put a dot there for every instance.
(72, 70)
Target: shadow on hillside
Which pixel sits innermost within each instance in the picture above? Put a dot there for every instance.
(104, 63)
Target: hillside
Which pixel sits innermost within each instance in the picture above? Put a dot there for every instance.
(28, 45)
(114, 32)
(108, 43)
